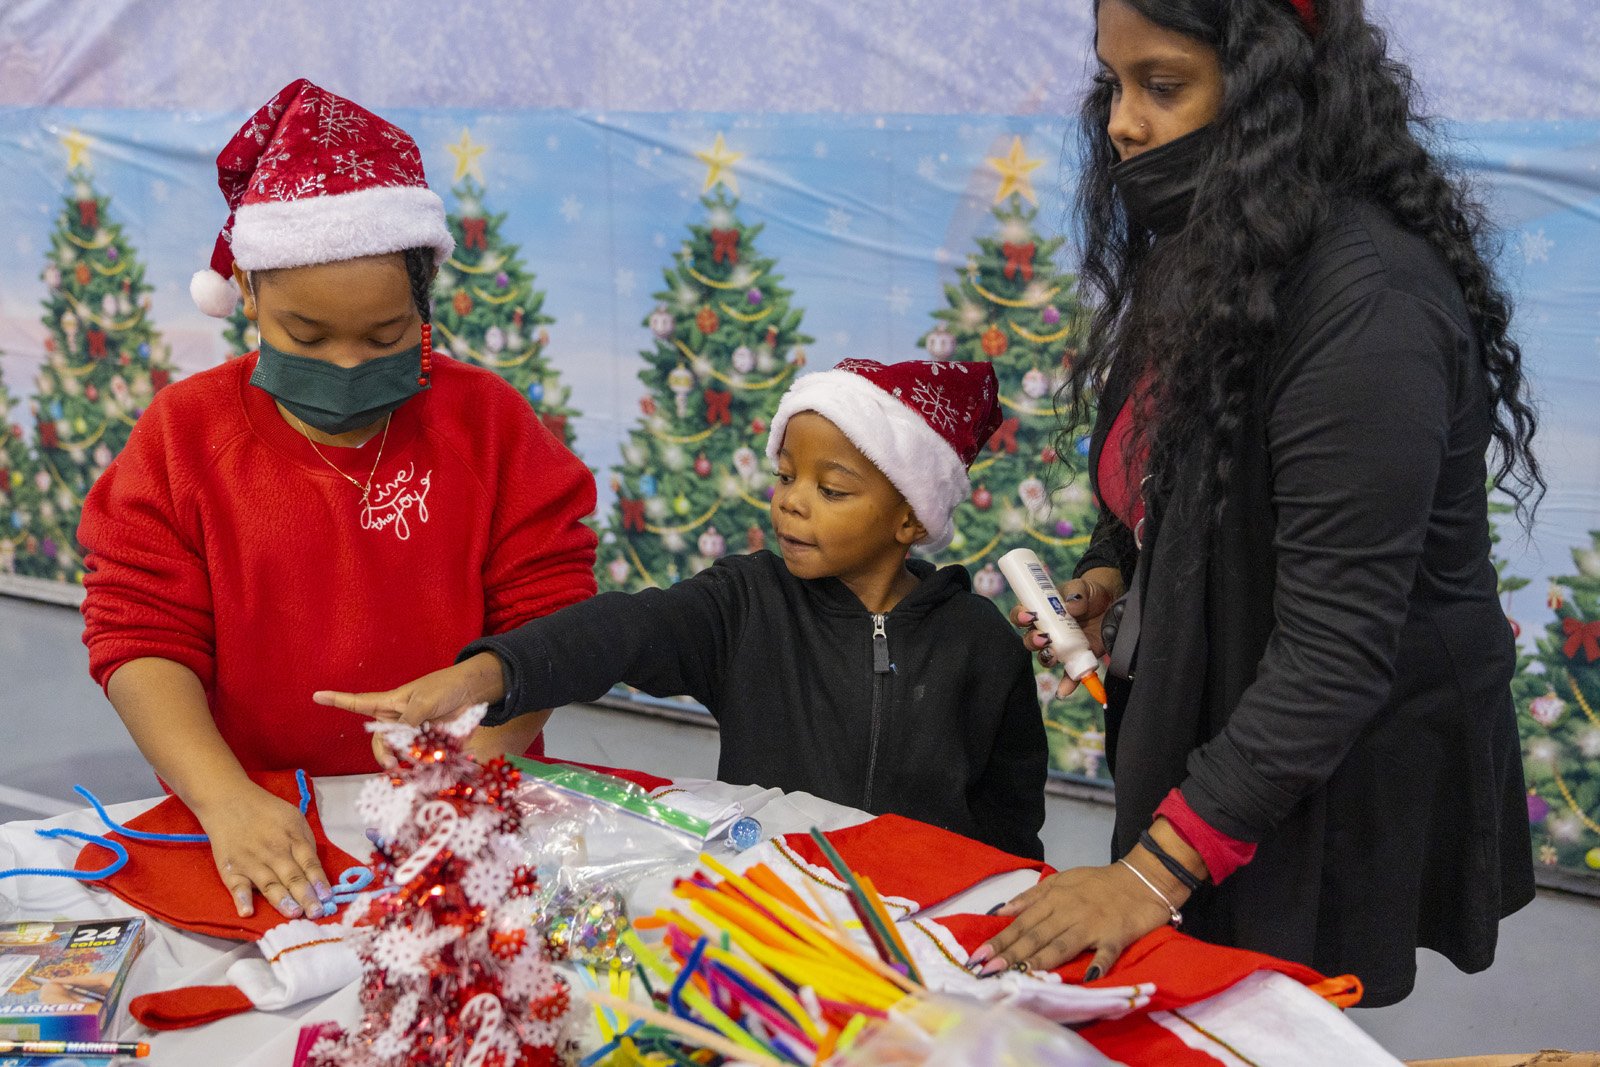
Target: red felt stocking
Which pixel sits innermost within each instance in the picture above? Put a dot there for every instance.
(176, 882)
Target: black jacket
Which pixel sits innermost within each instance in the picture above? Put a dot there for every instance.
(938, 721)
(1328, 674)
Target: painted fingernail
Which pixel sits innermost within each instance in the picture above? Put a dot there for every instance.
(983, 953)
(242, 903)
(994, 966)
(1074, 597)
(996, 909)
(323, 892)
(1092, 973)
(289, 906)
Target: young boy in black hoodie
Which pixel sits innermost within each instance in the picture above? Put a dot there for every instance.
(844, 669)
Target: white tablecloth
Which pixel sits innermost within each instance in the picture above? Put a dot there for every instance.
(174, 958)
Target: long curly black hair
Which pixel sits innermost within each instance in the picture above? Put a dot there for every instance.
(1306, 118)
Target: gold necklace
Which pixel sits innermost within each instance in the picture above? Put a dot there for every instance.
(366, 490)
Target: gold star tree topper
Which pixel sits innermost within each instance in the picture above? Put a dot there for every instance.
(719, 163)
(77, 146)
(467, 152)
(1016, 173)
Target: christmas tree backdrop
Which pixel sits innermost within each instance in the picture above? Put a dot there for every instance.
(1013, 306)
(240, 334)
(485, 307)
(22, 492)
(694, 482)
(1558, 694)
(104, 361)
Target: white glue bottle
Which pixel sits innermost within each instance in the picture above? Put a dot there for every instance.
(1037, 593)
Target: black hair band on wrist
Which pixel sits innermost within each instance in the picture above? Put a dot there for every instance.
(1178, 870)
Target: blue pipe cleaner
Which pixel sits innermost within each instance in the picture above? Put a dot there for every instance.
(675, 997)
(61, 872)
(145, 835)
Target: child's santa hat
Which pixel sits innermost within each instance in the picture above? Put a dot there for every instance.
(920, 423)
(312, 178)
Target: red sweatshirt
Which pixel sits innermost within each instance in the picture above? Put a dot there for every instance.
(218, 539)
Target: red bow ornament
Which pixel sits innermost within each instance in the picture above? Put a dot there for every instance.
(725, 246)
(1006, 436)
(1018, 258)
(1581, 635)
(474, 233)
(719, 407)
(632, 515)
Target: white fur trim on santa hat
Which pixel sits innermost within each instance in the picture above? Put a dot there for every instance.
(212, 293)
(898, 441)
(327, 229)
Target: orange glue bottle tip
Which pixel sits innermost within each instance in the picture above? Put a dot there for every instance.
(1096, 688)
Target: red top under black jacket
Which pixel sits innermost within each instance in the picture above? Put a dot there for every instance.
(219, 539)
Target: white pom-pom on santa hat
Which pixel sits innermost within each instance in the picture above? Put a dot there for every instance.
(213, 294)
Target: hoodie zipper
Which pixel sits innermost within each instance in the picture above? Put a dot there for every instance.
(881, 669)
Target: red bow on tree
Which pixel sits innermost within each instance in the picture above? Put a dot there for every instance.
(632, 514)
(48, 437)
(718, 407)
(159, 380)
(1006, 436)
(97, 343)
(1018, 258)
(1581, 635)
(724, 246)
(88, 214)
(474, 233)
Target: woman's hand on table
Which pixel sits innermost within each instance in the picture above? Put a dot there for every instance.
(262, 844)
(444, 694)
(1098, 909)
(1086, 599)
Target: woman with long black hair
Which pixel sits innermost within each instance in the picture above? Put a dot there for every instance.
(1300, 365)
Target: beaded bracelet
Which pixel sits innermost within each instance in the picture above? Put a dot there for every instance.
(1176, 916)
(1179, 871)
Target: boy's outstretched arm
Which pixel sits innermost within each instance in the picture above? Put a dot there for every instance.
(667, 642)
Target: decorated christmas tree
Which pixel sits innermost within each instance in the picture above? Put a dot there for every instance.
(240, 333)
(1558, 703)
(1013, 306)
(103, 363)
(694, 483)
(486, 309)
(453, 971)
(22, 493)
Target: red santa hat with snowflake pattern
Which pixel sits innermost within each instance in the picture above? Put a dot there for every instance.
(313, 178)
(921, 423)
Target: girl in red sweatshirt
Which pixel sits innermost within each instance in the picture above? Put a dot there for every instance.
(343, 503)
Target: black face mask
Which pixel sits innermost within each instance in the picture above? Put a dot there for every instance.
(339, 399)
(1157, 187)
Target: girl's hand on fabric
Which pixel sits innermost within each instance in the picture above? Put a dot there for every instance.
(262, 844)
(1086, 599)
(444, 694)
(1098, 909)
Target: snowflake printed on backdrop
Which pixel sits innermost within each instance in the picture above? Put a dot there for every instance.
(1536, 247)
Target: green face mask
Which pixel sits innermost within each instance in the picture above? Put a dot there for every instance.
(339, 399)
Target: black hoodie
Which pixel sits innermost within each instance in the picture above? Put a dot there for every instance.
(928, 711)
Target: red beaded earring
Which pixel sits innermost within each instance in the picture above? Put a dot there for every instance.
(427, 355)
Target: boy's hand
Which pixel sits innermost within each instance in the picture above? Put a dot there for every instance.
(1086, 600)
(263, 844)
(440, 695)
